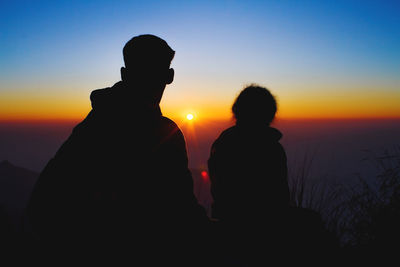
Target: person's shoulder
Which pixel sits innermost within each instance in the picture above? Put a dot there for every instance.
(229, 132)
(167, 122)
(274, 137)
(226, 136)
(274, 134)
(170, 127)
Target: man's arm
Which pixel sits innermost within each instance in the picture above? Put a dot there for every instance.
(176, 163)
(52, 200)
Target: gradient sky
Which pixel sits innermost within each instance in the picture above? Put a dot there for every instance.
(322, 59)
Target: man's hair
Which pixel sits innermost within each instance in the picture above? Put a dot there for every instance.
(147, 48)
(254, 104)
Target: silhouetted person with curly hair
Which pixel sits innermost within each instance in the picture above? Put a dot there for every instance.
(247, 164)
(248, 171)
(249, 184)
(122, 176)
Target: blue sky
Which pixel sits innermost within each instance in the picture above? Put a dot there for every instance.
(68, 48)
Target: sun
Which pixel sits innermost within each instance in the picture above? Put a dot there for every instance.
(189, 116)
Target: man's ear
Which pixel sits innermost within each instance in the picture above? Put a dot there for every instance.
(170, 76)
(124, 74)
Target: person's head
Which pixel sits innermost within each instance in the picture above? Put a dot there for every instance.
(254, 105)
(147, 66)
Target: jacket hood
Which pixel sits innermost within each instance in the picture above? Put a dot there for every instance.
(115, 99)
(106, 97)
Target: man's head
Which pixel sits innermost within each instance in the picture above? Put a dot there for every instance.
(254, 105)
(147, 66)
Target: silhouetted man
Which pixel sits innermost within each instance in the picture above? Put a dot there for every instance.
(123, 173)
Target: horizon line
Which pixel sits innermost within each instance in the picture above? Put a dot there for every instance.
(227, 119)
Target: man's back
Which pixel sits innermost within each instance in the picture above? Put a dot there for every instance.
(123, 173)
(121, 165)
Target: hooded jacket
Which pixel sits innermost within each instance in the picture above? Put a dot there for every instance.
(122, 173)
(248, 171)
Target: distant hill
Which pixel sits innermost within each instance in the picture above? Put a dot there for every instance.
(16, 185)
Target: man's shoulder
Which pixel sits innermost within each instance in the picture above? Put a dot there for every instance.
(170, 129)
(169, 124)
(168, 121)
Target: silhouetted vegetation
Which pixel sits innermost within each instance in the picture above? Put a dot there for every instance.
(364, 216)
(373, 207)
(307, 191)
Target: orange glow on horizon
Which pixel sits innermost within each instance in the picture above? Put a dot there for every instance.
(321, 105)
(57, 115)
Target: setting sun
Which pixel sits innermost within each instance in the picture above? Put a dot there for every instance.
(189, 116)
